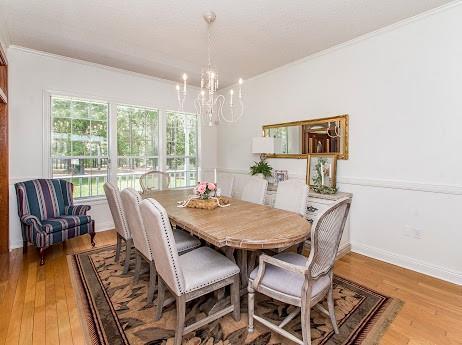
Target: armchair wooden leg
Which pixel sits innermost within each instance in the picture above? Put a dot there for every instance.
(118, 245)
(331, 306)
(24, 247)
(180, 318)
(42, 256)
(306, 322)
(128, 253)
(92, 239)
(152, 281)
(251, 307)
(160, 298)
(236, 298)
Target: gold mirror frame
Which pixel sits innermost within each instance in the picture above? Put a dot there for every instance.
(344, 124)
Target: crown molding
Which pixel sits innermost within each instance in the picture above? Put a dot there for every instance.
(356, 40)
(96, 65)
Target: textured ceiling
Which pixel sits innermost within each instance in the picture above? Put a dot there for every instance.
(166, 38)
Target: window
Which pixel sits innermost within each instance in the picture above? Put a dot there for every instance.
(181, 142)
(79, 144)
(96, 141)
(137, 144)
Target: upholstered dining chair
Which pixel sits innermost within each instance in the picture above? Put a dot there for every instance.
(48, 215)
(254, 190)
(303, 282)
(292, 195)
(190, 275)
(148, 180)
(120, 222)
(184, 242)
(225, 183)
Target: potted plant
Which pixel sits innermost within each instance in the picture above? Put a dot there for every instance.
(261, 168)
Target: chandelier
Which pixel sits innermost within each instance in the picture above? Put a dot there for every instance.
(208, 104)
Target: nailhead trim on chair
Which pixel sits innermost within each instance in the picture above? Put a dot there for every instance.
(138, 200)
(211, 282)
(121, 214)
(175, 269)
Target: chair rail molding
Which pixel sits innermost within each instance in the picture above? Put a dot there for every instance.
(379, 183)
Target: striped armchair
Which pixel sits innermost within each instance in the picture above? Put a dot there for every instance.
(48, 216)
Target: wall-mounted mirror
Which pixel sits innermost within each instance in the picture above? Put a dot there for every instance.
(299, 138)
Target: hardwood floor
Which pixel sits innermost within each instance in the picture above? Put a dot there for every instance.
(37, 303)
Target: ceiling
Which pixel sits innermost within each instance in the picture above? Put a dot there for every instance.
(166, 38)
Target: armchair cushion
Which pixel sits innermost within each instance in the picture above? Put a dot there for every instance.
(204, 266)
(64, 222)
(76, 210)
(287, 282)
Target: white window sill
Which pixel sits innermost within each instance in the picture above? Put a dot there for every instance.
(91, 201)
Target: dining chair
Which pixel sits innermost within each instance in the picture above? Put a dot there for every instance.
(148, 180)
(120, 222)
(225, 183)
(184, 242)
(254, 190)
(190, 275)
(292, 195)
(300, 281)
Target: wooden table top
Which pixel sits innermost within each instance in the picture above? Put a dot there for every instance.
(242, 225)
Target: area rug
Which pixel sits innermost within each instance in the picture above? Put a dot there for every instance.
(114, 311)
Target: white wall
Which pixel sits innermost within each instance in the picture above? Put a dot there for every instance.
(32, 73)
(402, 89)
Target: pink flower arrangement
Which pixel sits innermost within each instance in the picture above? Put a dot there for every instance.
(205, 189)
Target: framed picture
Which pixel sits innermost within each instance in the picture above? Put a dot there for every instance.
(321, 170)
(280, 175)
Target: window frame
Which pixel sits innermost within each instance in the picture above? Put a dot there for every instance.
(47, 170)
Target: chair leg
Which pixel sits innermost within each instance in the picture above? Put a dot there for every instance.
(180, 318)
(152, 281)
(306, 323)
(251, 307)
(128, 252)
(118, 245)
(92, 239)
(42, 256)
(331, 306)
(136, 277)
(236, 298)
(24, 247)
(160, 298)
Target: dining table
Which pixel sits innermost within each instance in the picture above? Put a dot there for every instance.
(239, 228)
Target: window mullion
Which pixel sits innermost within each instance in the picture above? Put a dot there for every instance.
(162, 136)
(112, 123)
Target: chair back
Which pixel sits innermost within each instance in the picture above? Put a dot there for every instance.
(254, 190)
(43, 198)
(154, 180)
(292, 195)
(117, 210)
(225, 183)
(325, 238)
(162, 244)
(131, 200)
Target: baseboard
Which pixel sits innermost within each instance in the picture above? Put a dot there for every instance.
(408, 263)
(343, 250)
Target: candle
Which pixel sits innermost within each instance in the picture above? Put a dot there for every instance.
(240, 87)
(330, 170)
(322, 174)
(231, 93)
(185, 77)
(215, 175)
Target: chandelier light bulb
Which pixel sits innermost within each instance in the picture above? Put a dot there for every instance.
(231, 92)
(185, 76)
(241, 81)
(177, 87)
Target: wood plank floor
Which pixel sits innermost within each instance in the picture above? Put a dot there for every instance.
(37, 303)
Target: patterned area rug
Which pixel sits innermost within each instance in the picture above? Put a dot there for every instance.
(114, 311)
